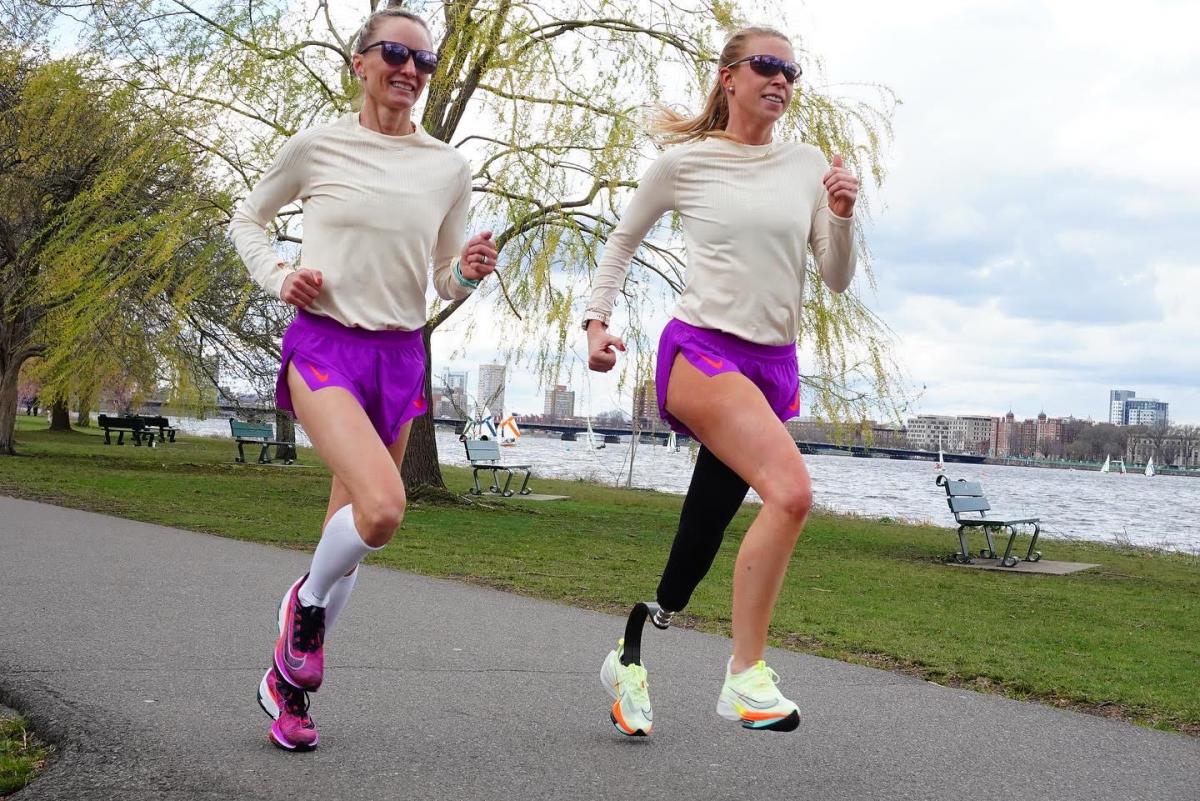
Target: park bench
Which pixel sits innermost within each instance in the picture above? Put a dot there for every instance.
(131, 424)
(166, 431)
(262, 434)
(966, 497)
(484, 454)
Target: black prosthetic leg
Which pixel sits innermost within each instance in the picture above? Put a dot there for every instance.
(713, 498)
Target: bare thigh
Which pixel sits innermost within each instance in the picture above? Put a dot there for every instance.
(349, 445)
(339, 493)
(733, 419)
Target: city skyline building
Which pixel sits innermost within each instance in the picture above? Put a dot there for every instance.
(1125, 408)
(645, 405)
(1116, 405)
(560, 403)
(490, 396)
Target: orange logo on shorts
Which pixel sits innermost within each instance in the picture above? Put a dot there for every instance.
(713, 363)
(796, 403)
(419, 403)
(322, 377)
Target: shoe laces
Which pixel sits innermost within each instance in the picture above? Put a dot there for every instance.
(295, 701)
(762, 677)
(634, 683)
(308, 631)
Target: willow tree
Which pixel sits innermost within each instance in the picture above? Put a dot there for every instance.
(547, 99)
(102, 225)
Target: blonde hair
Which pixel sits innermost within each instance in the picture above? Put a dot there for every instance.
(372, 22)
(675, 128)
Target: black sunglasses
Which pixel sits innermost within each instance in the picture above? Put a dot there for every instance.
(770, 66)
(397, 55)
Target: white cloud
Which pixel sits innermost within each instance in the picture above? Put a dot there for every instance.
(1038, 220)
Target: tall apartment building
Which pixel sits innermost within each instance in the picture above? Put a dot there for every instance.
(560, 403)
(1126, 409)
(1145, 412)
(450, 395)
(1116, 405)
(491, 389)
(645, 405)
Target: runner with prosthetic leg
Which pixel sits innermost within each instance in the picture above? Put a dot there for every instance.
(727, 375)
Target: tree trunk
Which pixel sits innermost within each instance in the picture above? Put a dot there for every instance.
(421, 469)
(60, 415)
(8, 409)
(285, 431)
(84, 418)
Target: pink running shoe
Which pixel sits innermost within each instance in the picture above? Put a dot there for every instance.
(300, 649)
(293, 729)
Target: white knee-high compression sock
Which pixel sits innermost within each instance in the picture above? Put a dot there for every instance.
(337, 597)
(340, 549)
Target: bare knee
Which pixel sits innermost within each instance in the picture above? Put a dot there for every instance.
(793, 499)
(378, 518)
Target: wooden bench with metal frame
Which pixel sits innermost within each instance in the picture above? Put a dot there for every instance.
(132, 425)
(262, 434)
(166, 431)
(965, 497)
(484, 454)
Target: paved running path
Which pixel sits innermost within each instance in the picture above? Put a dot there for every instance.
(138, 649)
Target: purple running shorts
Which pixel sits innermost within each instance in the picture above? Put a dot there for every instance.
(383, 370)
(771, 368)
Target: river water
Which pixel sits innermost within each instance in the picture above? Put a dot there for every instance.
(1160, 512)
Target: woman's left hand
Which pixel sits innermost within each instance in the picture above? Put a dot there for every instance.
(842, 188)
(478, 257)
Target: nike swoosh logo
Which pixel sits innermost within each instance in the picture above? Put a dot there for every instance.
(752, 702)
(322, 377)
(795, 404)
(419, 403)
(292, 662)
(713, 364)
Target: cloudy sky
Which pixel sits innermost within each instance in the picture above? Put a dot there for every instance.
(1036, 241)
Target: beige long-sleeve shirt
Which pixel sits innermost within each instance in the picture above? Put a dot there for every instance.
(377, 210)
(747, 213)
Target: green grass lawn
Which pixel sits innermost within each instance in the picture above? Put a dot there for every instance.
(22, 755)
(1121, 640)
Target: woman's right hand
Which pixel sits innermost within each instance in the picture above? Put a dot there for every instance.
(301, 287)
(601, 356)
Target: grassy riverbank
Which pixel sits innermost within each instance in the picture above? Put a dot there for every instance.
(1122, 640)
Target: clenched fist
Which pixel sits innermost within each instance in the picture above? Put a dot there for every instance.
(602, 347)
(301, 287)
(842, 187)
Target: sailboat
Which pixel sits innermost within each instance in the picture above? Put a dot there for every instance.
(672, 444)
(1121, 464)
(940, 466)
(1150, 467)
(487, 428)
(509, 433)
(594, 442)
(1106, 467)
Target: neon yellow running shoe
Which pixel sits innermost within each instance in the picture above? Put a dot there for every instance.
(631, 712)
(753, 698)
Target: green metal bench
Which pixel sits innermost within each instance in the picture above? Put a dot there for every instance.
(965, 497)
(262, 434)
(484, 454)
(132, 425)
